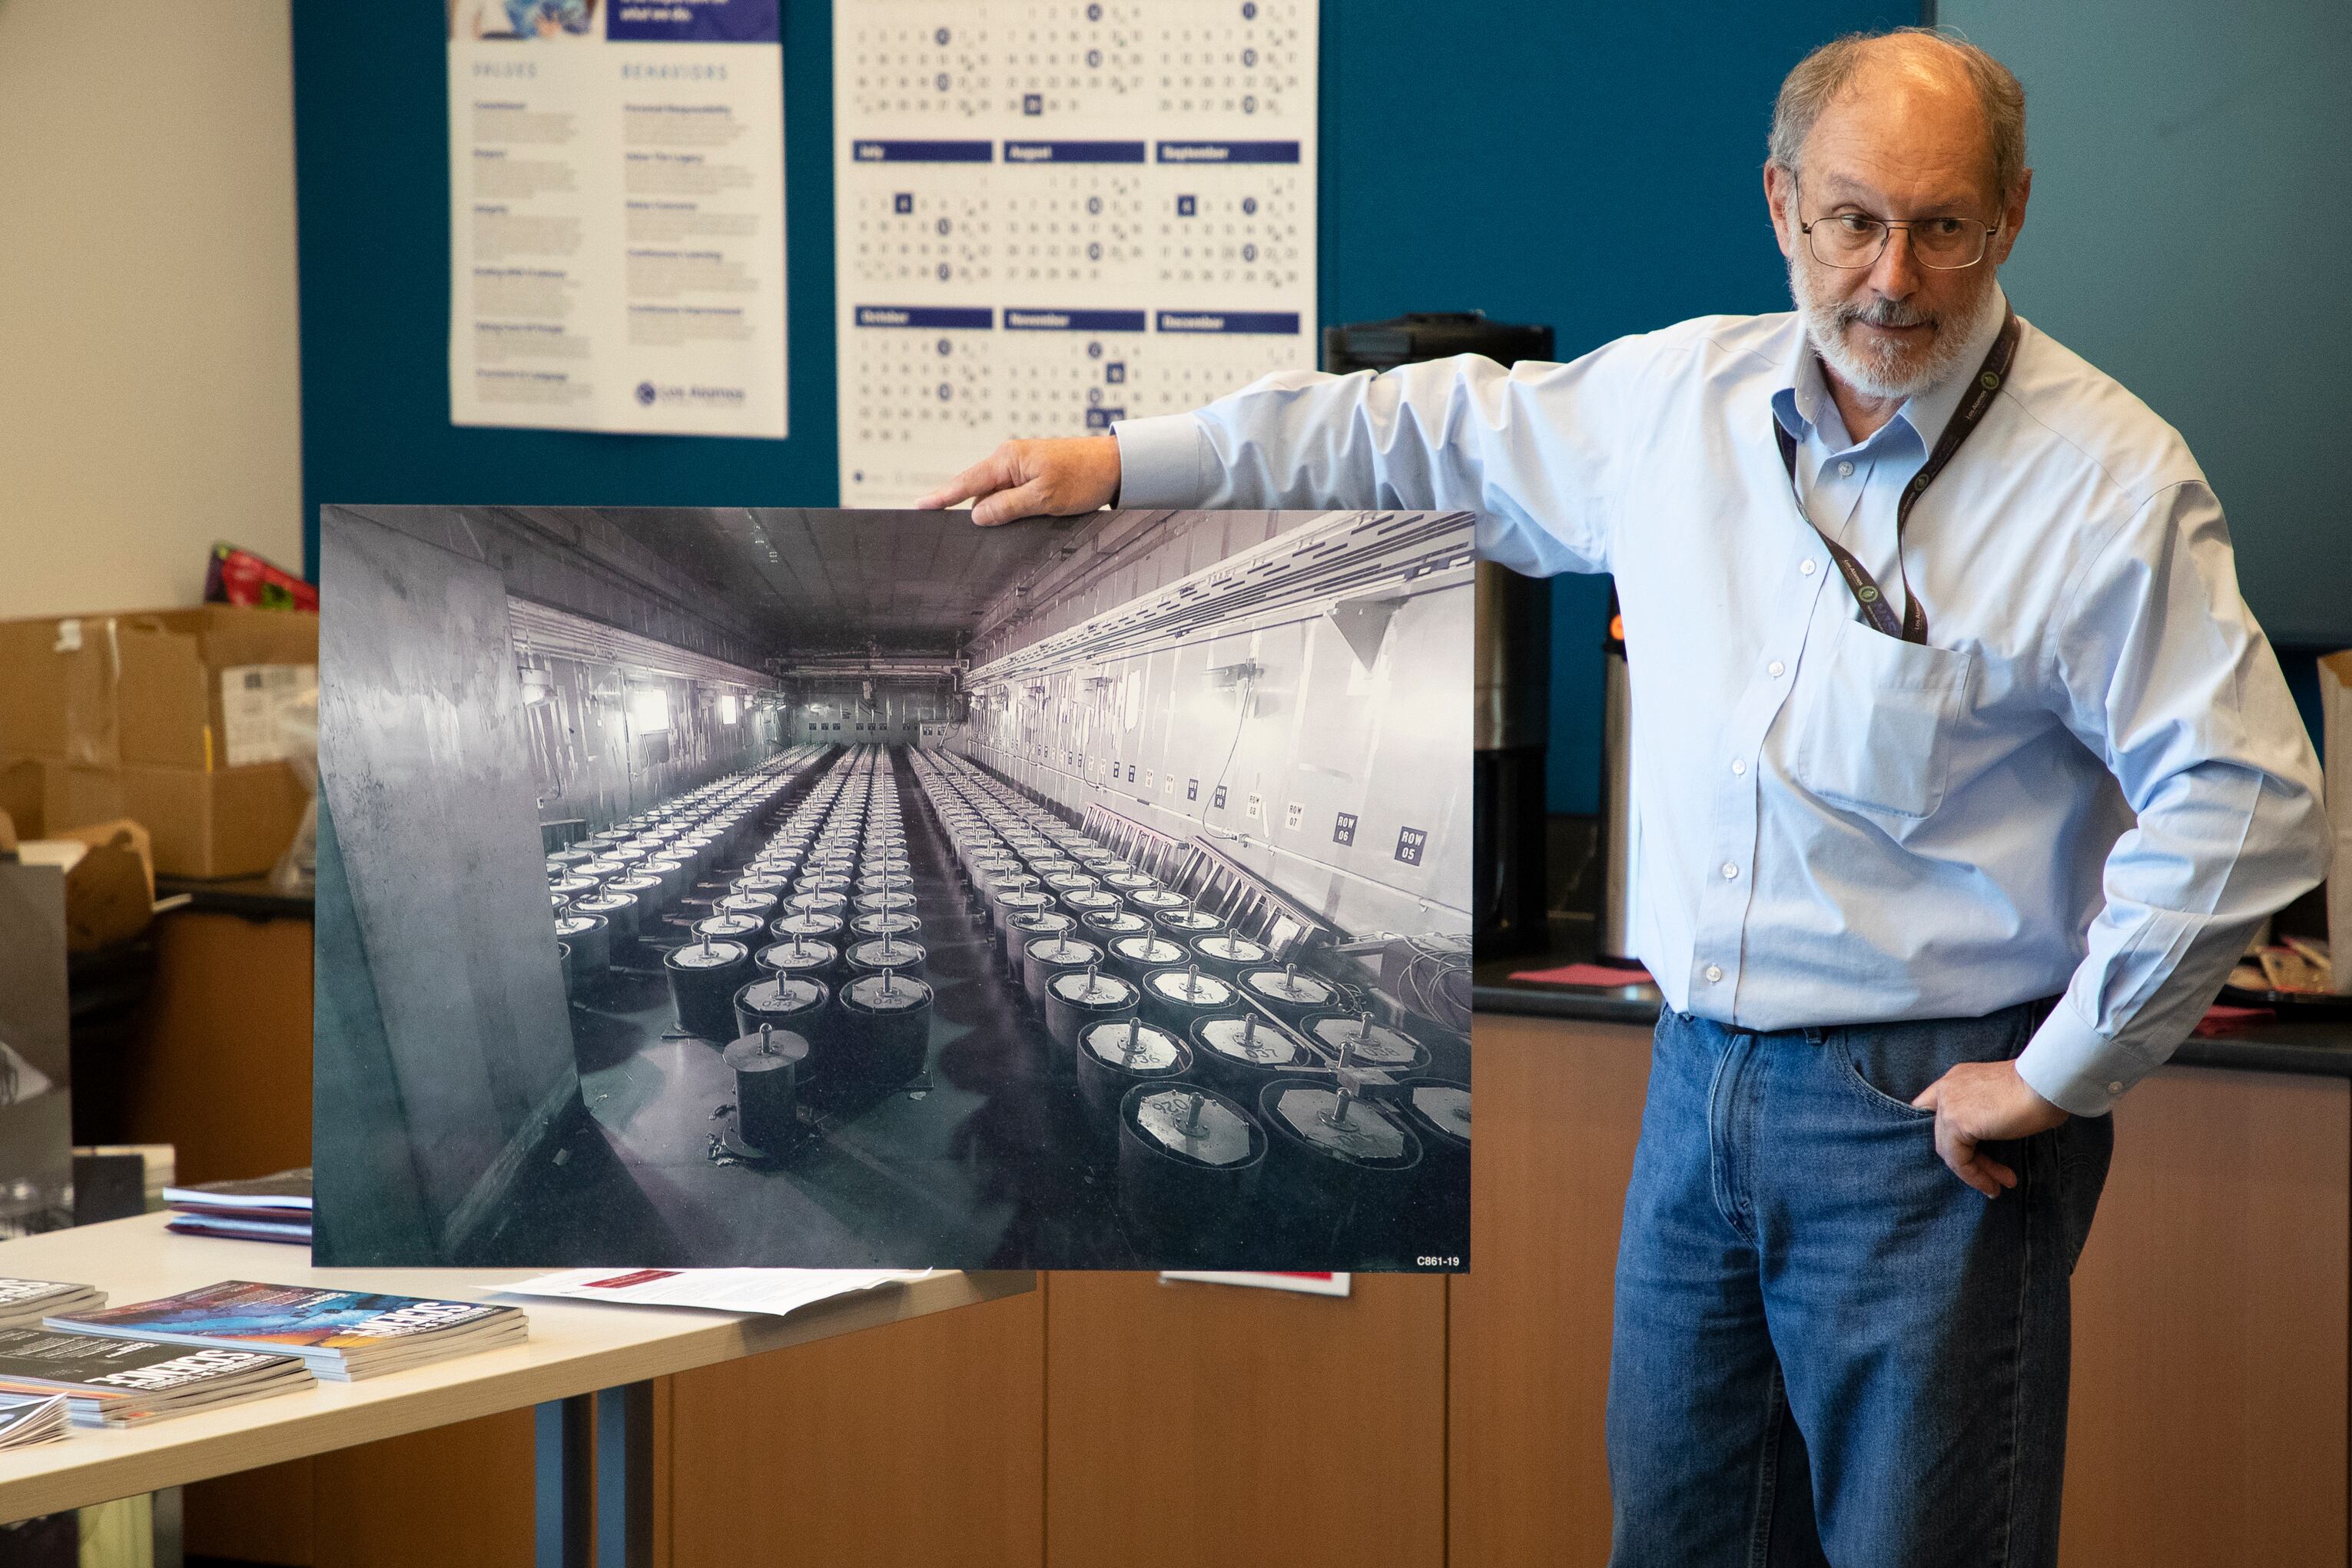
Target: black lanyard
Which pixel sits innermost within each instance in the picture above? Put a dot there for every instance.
(1913, 627)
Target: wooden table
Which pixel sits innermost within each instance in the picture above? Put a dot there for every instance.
(576, 1350)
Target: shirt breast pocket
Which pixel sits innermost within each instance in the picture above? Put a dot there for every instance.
(1872, 721)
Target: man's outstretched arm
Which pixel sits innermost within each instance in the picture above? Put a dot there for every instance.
(1530, 449)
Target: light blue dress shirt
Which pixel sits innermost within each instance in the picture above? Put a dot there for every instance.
(2091, 780)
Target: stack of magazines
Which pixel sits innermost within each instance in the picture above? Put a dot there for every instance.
(259, 1208)
(339, 1334)
(24, 1302)
(29, 1418)
(109, 1381)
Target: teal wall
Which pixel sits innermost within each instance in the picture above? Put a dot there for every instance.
(2190, 234)
(1474, 156)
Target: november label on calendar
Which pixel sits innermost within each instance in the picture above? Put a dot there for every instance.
(616, 225)
(1051, 215)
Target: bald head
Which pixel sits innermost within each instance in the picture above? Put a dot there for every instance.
(1921, 93)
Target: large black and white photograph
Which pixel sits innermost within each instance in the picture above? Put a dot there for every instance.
(775, 888)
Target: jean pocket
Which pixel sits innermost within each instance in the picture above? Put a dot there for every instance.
(2085, 1145)
(1878, 1084)
(1872, 721)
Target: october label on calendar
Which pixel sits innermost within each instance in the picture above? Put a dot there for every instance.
(1051, 215)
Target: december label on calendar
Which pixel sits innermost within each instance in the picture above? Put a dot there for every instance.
(1051, 215)
(616, 225)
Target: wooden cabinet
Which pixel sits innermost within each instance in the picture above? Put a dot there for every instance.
(2208, 1401)
(221, 1065)
(922, 1442)
(1204, 1423)
(1527, 1345)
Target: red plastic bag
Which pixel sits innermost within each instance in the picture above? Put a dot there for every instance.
(240, 576)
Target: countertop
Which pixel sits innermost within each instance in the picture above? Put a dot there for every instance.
(2320, 1046)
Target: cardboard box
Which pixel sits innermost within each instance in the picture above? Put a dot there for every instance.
(20, 794)
(145, 688)
(232, 822)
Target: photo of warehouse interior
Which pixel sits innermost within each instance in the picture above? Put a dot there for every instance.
(872, 889)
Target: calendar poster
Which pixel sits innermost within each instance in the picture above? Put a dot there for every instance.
(1054, 215)
(616, 215)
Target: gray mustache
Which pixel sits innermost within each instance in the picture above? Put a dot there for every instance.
(1885, 313)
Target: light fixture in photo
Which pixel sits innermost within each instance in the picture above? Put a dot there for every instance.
(648, 710)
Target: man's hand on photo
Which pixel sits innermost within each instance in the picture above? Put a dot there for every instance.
(1978, 1102)
(1034, 479)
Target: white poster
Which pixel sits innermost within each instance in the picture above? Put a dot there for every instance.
(1049, 216)
(616, 215)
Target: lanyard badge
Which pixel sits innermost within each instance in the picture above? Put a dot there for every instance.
(1913, 626)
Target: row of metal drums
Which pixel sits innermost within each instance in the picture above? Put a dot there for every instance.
(619, 894)
(1220, 1075)
(814, 968)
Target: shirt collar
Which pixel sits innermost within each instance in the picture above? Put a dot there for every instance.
(1801, 402)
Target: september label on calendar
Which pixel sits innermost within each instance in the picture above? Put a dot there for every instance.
(1054, 215)
(616, 225)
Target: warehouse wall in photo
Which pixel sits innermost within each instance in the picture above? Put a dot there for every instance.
(1322, 741)
(858, 710)
(608, 740)
(449, 1012)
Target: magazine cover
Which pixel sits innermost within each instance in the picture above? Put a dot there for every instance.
(287, 1190)
(111, 1381)
(845, 890)
(299, 1319)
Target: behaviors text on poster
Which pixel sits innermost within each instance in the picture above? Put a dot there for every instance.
(617, 221)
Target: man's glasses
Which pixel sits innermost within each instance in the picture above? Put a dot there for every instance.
(1857, 239)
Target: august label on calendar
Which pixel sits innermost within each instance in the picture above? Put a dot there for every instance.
(616, 180)
(1118, 197)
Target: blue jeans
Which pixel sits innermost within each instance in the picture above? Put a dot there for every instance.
(1829, 1349)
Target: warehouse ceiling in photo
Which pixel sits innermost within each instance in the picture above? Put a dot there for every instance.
(819, 583)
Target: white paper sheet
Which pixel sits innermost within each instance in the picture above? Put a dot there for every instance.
(775, 1292)
(1307, 1284)
(616, 215)
(1047, 218)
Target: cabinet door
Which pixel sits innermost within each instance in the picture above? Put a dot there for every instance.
(1191, 1424)
(1559, 1107)
(2207, 1418)
(922, 1442)
(456, 1497)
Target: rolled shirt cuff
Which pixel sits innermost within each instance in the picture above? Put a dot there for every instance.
(2076, 1067)
(1163, 461)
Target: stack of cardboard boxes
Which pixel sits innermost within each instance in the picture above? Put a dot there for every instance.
(175, 719)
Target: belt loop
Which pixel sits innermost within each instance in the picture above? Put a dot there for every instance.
(1815, 1034)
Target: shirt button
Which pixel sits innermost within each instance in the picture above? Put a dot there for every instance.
(1845, 470)
(1715, 972)
(1729, 871)
(1738, 766)
(1774, 669)
(1807, 569)
(2116, 1088)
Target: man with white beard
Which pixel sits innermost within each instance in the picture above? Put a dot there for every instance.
(1964, 776)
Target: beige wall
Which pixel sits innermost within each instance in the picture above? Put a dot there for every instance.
(149, 378)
